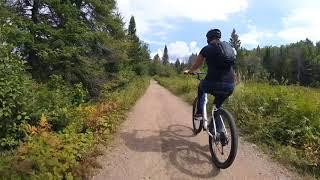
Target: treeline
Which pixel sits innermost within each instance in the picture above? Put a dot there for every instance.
(83, 41)
(296, 63)
(163, 66)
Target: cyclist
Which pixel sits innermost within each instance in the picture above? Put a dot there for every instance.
(220, 78)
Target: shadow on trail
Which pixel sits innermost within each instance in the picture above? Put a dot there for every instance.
(188, 157)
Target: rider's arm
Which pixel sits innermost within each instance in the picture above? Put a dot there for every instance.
(197, 64)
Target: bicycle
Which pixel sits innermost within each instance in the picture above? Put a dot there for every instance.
(208, 124)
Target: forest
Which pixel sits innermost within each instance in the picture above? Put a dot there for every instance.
(66, 70)
(71, 69)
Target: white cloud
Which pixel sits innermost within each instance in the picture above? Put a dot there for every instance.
(253, 36)
(301, 23)
(179, 49)
(154, 42)
(153, 15)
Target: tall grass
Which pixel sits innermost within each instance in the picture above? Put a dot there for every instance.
(283, 120)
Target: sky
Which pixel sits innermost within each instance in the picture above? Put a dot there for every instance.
(183, 24)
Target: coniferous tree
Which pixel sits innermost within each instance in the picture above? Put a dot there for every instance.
(177, 65)
(234, 40)
(138, 50)
(165, 57)
(132, 27)
(318, 44)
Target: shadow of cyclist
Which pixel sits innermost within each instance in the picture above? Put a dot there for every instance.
(186, 156)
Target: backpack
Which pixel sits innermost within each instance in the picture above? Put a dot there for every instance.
(227, 55)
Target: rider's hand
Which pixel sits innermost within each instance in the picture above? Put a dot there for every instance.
(186, 71)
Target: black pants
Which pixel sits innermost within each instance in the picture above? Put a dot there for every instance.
(220, 90)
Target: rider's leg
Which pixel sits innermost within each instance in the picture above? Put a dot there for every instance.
(227, 88)
(218, 101)
(201, 99)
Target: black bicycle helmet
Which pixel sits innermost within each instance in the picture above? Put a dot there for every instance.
(214, 33)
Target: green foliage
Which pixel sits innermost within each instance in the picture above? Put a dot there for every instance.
(296, 63)
(23, 101)
(156, 68)
(141, 69)
(284, 120)
(46, 154)
(81, 41)
(250, 67)
(15, 93)
(55, 56)
(281, 116)
(55, 99)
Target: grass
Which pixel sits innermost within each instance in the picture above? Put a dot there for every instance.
(283, 120)
(71, 153)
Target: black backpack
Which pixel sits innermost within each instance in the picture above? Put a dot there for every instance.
(227, 55)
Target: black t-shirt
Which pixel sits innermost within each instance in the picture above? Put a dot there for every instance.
(216, 74)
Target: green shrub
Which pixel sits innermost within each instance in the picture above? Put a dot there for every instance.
(156, 68)
(15, 93)
(141, 69)
(69, 153)
(281, 116)
(55, 99)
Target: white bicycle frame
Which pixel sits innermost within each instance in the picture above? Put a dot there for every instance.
(206, 121)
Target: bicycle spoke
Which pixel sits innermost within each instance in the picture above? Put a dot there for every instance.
(222, 152)
(223, 148)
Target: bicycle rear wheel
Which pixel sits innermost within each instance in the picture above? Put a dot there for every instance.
(197, 125)
(224, 149)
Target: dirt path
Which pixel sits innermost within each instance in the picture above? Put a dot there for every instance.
(156, 142)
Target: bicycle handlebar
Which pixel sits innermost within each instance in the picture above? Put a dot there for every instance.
(198, 74)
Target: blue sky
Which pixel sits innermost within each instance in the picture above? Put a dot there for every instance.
(182, 24)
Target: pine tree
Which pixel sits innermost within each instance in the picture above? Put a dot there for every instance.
(132, 27)
(308, 42)
(138, 50)
(318, 44)
(234, 40)
(258, 51)
(165, 57)
(177, 64)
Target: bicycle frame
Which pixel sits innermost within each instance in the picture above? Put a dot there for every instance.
(205, 115)
(205, 118)
(206, 121)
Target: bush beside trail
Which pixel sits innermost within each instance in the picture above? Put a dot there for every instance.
(51, 130)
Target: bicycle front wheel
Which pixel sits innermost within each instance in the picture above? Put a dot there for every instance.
(197, 124)
(224, 148)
